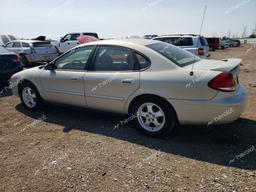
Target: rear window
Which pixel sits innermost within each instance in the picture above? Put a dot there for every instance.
(42, 44)
(178, 41)
(25, 45)
(175, 54)
(92, 34)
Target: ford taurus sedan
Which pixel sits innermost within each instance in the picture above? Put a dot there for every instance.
(158, 84)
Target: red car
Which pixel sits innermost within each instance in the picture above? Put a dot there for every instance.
(214, 43)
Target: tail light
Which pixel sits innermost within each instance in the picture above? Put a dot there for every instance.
(223, 82)
(200, 52)
(17, 58)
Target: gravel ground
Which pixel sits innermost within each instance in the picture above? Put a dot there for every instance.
(56, 150)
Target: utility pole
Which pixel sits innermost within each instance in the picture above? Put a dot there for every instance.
(244, 35)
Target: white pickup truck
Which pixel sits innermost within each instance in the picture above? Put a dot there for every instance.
(70, 40)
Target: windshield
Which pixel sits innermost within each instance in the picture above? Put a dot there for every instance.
(174, 54)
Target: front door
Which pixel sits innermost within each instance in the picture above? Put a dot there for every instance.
(66, 83)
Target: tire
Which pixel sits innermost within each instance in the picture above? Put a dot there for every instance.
(30, 97)
(147, 110)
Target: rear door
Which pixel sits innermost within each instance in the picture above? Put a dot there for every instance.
(111, 78)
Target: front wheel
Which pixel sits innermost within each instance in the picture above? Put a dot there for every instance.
(154, 116)
(30, 97)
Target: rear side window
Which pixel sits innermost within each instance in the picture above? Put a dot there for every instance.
(113, 58)
(143, 62)
(16, 44)
(25, 45)
(74, 36)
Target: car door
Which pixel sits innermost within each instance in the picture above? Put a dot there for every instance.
(111, 78)
(65, 84)
(17, 48)
(14, 47)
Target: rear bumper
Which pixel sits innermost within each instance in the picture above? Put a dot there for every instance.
(216, 111)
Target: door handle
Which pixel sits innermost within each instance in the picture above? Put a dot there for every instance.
(128, 81)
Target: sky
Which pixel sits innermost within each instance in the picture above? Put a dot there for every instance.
(116, 19)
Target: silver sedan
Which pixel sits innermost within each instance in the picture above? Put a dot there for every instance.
(158, 84)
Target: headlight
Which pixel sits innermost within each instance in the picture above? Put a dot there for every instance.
(15, 81)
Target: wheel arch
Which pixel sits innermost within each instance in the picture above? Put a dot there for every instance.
(151, 96)
(26, 81)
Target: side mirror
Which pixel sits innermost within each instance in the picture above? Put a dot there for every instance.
(50, 66)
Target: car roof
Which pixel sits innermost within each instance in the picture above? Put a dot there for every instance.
(123, 42)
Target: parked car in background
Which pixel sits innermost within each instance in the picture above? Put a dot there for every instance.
(71, 40)
(33, 51)
(193, 43)
(10, 63)
(150, 36)
(238, 42)
(231, 43)
(6, 38)
(213, 42)
(133, 37)
(150, 80)
(224, 44)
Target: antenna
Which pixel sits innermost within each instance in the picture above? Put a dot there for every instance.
(200, 32)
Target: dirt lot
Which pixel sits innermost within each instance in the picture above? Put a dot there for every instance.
(60, 150)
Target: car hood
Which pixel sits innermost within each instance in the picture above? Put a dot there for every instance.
(217, 65)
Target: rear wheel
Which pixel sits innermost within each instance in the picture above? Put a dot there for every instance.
(30, 96)
(154, 116)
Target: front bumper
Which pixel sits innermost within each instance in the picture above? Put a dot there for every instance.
(216, 111)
